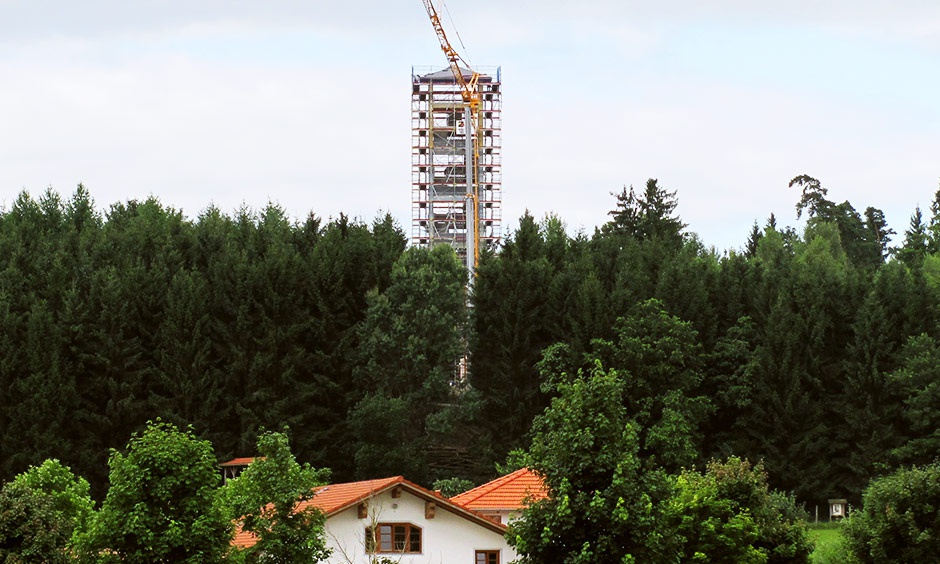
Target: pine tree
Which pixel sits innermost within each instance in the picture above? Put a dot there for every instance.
(916, 242)
(513, 320)
(933, 226)
(753, 238)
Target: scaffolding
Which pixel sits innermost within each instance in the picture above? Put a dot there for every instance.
(443, 194)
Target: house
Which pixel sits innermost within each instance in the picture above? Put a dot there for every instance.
(400, 520)
(503, 499)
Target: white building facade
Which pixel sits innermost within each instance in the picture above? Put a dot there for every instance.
(408, 524)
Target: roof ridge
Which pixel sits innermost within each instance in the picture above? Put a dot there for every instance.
(351, 493)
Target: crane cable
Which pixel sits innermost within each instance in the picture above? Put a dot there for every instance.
(453, 26)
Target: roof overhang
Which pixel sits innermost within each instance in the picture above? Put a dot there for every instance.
(427, 495)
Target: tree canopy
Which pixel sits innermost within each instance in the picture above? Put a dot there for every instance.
(163, 503)
(808, 349)
(267, 499)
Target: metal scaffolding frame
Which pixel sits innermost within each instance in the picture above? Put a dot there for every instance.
(442, 144)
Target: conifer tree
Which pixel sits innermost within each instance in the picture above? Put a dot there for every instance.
(916, 242)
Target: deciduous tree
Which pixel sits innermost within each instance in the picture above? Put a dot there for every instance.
(162, 504)
(42, 511)
(604, 503)
(268, 500)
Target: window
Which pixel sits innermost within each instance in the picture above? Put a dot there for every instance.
(487, 557)
(393, 537)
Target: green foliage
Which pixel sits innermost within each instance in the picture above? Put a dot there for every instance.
(603, 504)
(449, 487)
(32, 530)
(515, 460)
(864, 241)
(106, 321)
(870, 409)
(409, 347)
(916, 241)
(784, 529)
(162, 504)
(71, 503)
(730, 384)
(918, 382)
(879, 232)
(713, 527)
(729, 514)
(799, 333)
(268, 501)
(933, 225)
(386, 442)
(514, 318)
(659, 358)
(813, 196)
(791, 351)
(899, 521)
(648, 216)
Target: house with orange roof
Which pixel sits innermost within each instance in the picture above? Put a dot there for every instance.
(504, 498)
(400, 520)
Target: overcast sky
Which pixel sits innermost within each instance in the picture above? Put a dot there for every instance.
(307, 103)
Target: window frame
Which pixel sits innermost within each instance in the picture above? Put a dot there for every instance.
(375, 545)
(486, 556)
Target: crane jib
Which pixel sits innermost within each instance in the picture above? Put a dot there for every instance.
(471, 98)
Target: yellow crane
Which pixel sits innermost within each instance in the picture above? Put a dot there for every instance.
(471, 101)
(468, 88)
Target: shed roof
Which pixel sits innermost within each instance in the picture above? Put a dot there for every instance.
(238, 462)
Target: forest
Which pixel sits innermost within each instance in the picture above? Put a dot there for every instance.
(814, 351)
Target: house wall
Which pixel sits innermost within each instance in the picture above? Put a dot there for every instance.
(446, 539)
(504, 516)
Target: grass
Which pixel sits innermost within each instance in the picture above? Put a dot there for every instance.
(828, 544)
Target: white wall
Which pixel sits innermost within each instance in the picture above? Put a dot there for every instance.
(505, 516)
(446, 539)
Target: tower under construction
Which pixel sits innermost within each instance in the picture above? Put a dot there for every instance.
(456, 178)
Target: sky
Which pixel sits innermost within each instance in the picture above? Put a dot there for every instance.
(306, 105)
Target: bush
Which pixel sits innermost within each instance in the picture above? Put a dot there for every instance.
(729, 514)
(900, 521)
(31, 530)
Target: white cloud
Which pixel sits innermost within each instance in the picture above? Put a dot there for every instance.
(307, 103)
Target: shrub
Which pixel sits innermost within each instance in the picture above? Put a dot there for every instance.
(900, 521)
(729, 514)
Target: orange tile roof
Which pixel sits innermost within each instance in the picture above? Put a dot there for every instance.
(243, 539)
(508, 492)
(334, 498)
